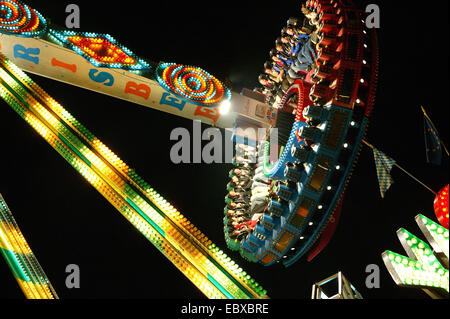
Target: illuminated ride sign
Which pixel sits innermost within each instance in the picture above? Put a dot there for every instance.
(98, 62)
(426, 266)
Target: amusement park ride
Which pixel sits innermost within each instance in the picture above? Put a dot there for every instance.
(319, 146)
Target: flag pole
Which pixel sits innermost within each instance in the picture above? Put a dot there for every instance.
(434, 128)
(418, 181)
(405, 171)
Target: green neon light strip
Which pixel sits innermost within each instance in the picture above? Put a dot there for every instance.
(418, 249)
(75, 144)
(228, 267)
(226, 293)
(119, 203)
(412, 273)
(436, 235)
(14, 264)
(20, 259)
(267, 167)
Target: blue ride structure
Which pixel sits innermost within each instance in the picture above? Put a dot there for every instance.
(319, 145)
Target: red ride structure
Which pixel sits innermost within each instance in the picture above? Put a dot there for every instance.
(332, 108)
(441, 206)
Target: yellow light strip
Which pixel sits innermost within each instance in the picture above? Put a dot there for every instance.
(34, 284)
(180, 261)
(182, 226)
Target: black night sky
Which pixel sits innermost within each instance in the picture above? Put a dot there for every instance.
(66, 221)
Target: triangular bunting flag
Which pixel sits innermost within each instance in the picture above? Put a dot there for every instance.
(384, 166)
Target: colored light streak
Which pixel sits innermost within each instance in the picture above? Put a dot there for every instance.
(19, 19)
(21, 260)
(192, 83)
(422, 268)
(214, 273)
(102, 50)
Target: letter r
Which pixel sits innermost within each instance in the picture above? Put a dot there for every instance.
(23, 53)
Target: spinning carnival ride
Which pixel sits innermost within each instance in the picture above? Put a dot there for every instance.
(339, 97)
(317, 158)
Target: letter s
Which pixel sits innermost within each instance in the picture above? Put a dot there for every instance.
(102, 77)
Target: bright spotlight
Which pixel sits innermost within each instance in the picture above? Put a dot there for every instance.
(225, 107)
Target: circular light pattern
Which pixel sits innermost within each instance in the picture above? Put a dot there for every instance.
(441, 206)
(19, 19)
(192, 83)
